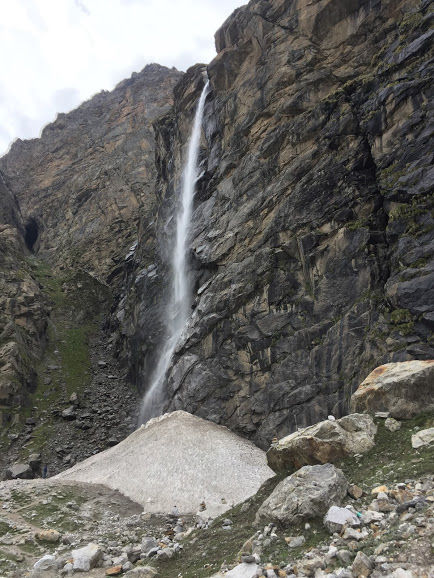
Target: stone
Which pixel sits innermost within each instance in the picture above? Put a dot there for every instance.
(324, 442)
(306, 494)
(243, 571)
(114, 571)
(148, 543)
(392, 424)
(86, 558)
(404, 389)
(352, 534)
(344, 556)
(355, 492)
(67, 570)
(52, 536)
(35, 461)
(336, 518)
(19, 471)
(69, 413)
(379, 489)
(369, 516)
(422, 438)
(362, 565)
(47, 562)
(295, 541)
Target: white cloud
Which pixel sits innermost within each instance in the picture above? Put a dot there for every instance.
(57, 53)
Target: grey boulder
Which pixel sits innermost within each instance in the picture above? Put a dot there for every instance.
(305, 495)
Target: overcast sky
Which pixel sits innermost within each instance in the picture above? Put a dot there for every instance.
(57, 53)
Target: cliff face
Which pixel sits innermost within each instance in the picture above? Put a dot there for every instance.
(312, 237)
(22, 309)
(313, 232)
(82, 183)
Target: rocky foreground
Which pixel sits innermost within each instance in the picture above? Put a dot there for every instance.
(362, 505)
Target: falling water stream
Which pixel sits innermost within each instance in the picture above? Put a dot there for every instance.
(179, 307)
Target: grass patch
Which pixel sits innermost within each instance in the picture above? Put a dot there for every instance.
(54, 514)
(392, 459)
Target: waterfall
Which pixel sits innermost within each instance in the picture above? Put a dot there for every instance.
(178, 310)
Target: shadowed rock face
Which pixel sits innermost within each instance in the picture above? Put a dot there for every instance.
(312, 241)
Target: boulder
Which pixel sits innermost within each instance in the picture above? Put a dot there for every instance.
(84, 559)
(336, 518)
(362, 565)
(19, 471)
(422, 438)
(148, 543)
(324, 442)
(392, 424)
(114, 571)
(47, 562)
(306, 494)
(243, 570)
(51, 536)
(403, 389)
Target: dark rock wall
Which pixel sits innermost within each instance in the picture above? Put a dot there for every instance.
(312, 237)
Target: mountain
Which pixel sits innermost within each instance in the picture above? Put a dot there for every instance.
(311, 247)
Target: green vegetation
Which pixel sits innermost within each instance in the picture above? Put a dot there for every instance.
(76, 301)
(403, 320)
(392, 459)
(218, 544)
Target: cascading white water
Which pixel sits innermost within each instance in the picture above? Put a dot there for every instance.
(178, 311)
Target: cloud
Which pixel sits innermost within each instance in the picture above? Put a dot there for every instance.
(66, 99)
(82, 7)
(61, 52)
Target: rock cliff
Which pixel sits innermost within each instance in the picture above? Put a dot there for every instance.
(313, 232)
(312, 241)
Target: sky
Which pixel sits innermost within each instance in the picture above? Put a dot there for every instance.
(58, 53)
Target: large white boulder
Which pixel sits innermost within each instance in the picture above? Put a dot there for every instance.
(243, 571)
(403, 389)
(84, 559)
(424, 437)
(179, 460)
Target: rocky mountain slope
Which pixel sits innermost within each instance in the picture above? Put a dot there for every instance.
(70, 206)
(362, 507)
(312, 242)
